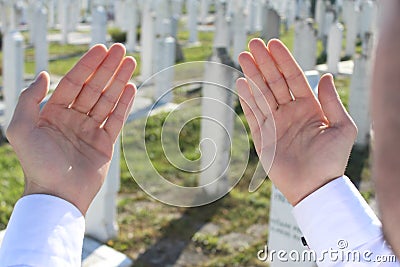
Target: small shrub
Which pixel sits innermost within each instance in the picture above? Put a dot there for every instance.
(117, 35)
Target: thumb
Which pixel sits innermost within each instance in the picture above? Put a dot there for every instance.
(331, 103)
(26, 113)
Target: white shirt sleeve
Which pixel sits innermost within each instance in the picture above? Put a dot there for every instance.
(341, 228)
(43, 231)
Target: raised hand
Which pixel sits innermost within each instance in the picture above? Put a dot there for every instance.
(65, 149)
(313, 136)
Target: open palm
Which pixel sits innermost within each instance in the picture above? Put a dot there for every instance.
(313, 136)
(65, 149)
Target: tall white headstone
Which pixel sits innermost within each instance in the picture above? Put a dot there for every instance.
(221, 36)
(51, 6)
(120, 14)
(13, 71)
(216, 124)
(133, 21)
(305, 44)
(252, 16)
(64, 19)
(165, 79)
(348, 7)
(320, 10)
(360, 93)
(176, 8)
(329, 19)
(273, 25)
(351, 35)
(101, 217)
(204, 10)
(99, 26)
(334, 48)
(239, 32)
(147, 41)
(367, 18)
(40, 41)
(192, 6)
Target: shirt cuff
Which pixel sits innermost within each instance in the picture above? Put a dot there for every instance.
(336, 216)
(43, 231)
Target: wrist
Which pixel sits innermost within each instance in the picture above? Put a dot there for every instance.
(32, 188)
(309, 190)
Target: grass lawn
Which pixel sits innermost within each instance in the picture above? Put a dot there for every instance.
(146, 224)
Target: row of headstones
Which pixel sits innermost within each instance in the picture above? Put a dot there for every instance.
(360, 21)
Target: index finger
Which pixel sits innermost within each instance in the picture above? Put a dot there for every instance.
(291, 71)
(71, 84)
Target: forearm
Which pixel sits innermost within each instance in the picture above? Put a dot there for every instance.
(43, 231)
(335, 220)
(386, 120)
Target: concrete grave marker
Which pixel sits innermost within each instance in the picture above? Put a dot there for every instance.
(132, 21)
(221, 36)
(147, 40)
(305, 44)
(272, 26)
(351, 35)
(13, 71)
(320, 10)
(360, 93)
(204, 8)
(217, 104)
(101, 217)
(239, 33)
(99, 26)
(40, 41)
(192, 9)
(334, 47)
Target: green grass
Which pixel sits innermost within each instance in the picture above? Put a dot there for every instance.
(11, 183)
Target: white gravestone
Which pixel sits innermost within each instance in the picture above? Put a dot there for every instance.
(204, 7)
(31, 17)
(367, 18)
(348, 7)
(284, 233)
(101, 217)
(290, 14)
(216, 124)
(273, 25)
(192, 6)
(360, 94)
(305, 44)
(176, 8)
(329, 20)
(13, 71)
(133, 21)
(147, 41)
(320, 10)
(221, 36)
(239, 33)
(99, 26)
(64, 19)
(351, 35)
(264, 20)
(51, 6)
(334, 48)
(40, 41)
(164, 80)
(7, 17)
(252, 16)
(120, 14)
